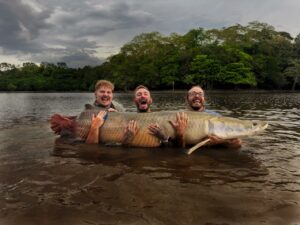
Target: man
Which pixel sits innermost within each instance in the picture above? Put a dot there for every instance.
(143, 101)
(142, 98)
(104, 96)
(195, 99)
(103, 99)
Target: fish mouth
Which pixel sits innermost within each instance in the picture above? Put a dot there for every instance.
(259, 126)
(263, 125)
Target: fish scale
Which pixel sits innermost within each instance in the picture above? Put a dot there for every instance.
(200, 125)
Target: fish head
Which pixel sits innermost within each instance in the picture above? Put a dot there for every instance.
(228, 128)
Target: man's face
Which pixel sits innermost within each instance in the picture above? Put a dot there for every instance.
(104, 96)
(143, 100)
(195, 98)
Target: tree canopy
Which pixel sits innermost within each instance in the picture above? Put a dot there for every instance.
(253, 56)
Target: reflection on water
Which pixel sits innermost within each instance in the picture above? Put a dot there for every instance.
(213, 166)
(47, 180)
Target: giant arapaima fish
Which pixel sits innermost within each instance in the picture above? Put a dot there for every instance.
(200, 125)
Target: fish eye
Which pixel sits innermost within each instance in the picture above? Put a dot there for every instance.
(254, 124)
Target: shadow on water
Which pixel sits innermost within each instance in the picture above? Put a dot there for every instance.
(206, 166)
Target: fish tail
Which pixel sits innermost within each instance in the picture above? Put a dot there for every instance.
(62, 124)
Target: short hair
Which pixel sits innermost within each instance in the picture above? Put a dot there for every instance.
(187, 95)
(140, 87)
(196, 86)
(104, 83)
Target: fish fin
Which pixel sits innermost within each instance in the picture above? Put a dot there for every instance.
(195, 147)
(89, 106)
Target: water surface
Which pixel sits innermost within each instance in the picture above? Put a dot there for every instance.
(44, 180)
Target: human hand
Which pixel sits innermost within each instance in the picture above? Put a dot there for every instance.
(130, 132)
(155, 130)
(230, 143)
(98, 120)
(180, 124)
(234, 143)
(214, 140)
(112, 110)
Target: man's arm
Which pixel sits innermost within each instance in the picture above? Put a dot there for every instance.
(94, 133)
(155, 130)
(229, 143)
(180, 126)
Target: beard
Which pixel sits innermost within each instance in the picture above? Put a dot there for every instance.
(196, 108)
(143, 109)
(143, 105)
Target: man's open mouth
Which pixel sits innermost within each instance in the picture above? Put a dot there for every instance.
(143, 102)
(196, 100)
(105, 98)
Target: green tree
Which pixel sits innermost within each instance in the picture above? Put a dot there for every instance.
(6, 66)
(204, 71)
(237, 74)
(293, 72)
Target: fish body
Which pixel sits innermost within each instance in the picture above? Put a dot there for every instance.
(200, 125)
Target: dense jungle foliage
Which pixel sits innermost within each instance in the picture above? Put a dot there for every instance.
(255, 56)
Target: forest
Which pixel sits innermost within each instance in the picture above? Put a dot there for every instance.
(255, 56)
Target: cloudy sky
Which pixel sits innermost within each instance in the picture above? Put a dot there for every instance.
(85, 32)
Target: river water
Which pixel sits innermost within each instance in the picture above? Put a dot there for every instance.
(46, 181)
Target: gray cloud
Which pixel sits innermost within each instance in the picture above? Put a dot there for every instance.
(81, 59)
(86, 31)
(94, 21)
(20, 25)
(60, 28)
(74, 58)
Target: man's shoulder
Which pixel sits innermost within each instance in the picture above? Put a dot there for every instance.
(205, 110)
(212, 112)
(115, 105)
(118, 106)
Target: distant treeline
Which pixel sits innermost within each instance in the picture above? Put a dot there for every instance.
(237, 57)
